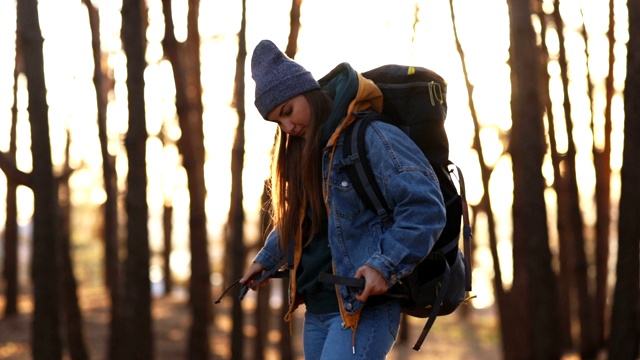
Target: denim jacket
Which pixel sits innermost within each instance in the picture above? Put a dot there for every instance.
(357, 235)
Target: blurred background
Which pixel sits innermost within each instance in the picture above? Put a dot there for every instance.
(134, 165)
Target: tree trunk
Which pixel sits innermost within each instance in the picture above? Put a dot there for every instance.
(533, 274)
(509, 304)
(10, 268)
(235, 234)
(46, 340)
(625, 318)
(71, 310)
(200, 286)
(263, 310)
(570, 216)
(294, 29)
(602, 166)
(565, 284)
(138, 336)
(485, 173)
(109, 175)
(108, 160)
(186, 71)
(167, 228)
(108, 167)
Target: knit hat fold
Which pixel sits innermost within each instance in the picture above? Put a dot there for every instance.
(277, 77)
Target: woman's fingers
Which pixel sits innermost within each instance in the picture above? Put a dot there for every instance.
(375, 283)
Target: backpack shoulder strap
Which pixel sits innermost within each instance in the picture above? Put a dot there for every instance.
(359, 171)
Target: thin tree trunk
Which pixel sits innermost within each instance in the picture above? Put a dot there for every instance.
(602, 166)
(565, 284)
(138, 336)
(46, 339)
(263, 313)
(235, 235)
(530, 237)
(109, 175)
(71, 310)
(570, 215)
(294, 29)
(108, 165)
(110, 224)
(485, 202)
(200, 286)
(167, 228)
(10, 268)
(625, 333)
(186, 71)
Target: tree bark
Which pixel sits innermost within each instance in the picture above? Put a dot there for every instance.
(235, 235)
(186, 71)
(565, 284)
(602, 166)
(108, 160)
(569, 213)
(46, 339)
(263, 313)
(533, 275)
(109, 175)
(10, 268)
(294, 29)
(625, 333)
(167, 229)
(138, 336)
(71, 309)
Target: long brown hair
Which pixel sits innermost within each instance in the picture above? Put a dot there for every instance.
(296, 174)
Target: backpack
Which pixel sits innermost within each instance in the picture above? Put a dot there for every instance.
(415, 101)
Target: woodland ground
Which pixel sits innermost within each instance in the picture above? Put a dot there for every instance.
(451, 337)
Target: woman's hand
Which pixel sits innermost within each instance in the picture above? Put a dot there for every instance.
(374, 284)
(254, 268)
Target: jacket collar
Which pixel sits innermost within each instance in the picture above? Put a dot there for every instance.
(350, 92)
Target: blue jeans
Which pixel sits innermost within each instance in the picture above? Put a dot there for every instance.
(325, 339)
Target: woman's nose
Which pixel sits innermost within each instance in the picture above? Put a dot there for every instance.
(287, 127)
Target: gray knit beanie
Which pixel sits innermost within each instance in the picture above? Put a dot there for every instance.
(277, 77)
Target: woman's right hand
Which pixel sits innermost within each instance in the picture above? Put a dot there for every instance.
(254, 268)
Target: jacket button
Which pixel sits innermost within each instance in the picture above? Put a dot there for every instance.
(348, 306)
(344, 183)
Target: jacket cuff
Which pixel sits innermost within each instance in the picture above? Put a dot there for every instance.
(385, 268)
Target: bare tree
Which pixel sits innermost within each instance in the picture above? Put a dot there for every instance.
(532, 333)
(109, 175)
(235, 233)
(137, 334)
(602, 166)
(625, 333)
(564, 281)
(10, 268)
(185, 60)
(294, 28)
(46, 340)
(570, 224)
(72, 314)
(108, 160)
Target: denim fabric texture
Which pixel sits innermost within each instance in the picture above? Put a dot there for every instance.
(326, 339)
(357, 236)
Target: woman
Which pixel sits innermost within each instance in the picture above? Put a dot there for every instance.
(321, 225)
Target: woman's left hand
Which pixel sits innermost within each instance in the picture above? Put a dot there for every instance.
(375, 283)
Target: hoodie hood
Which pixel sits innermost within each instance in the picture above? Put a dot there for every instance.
(351, 92)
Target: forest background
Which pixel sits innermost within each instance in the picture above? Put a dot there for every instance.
(134, 166)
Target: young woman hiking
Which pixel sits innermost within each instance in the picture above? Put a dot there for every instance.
(320, 223)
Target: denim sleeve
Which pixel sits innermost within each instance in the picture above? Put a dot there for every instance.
(412, 192)
(271, 252)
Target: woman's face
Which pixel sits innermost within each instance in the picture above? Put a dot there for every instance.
(293, 116)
